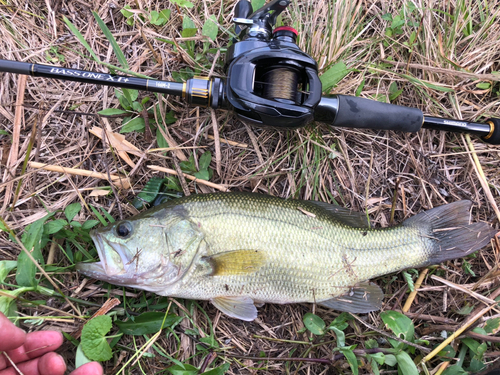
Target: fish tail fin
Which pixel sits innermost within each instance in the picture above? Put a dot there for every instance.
(450, 232)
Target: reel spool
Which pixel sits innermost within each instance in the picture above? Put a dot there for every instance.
(270, 82)
(281, 84)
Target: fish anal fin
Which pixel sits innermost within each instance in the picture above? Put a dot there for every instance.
(236, 262)
(346, 216)
(236, 307)
(362, 298)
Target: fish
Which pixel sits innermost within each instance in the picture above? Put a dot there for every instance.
(242, 250)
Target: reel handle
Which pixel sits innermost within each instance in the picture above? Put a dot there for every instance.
(354, 112)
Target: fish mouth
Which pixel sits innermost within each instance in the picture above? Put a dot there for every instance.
(114, 264)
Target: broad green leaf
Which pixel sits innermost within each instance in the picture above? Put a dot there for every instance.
(160, 139)
(202, 175)
(31, 238)
(165, 15)
(333, 75)
(131, 95)
(340, 336)
(80, 37)
(147, 323)
(371, 343)
(218, 371)
(5, 267)
(183, 3)
(188, 33)
(136, 124)
(466, 310)
(210, 28)
(394, 92)
(314, 324)
(71, 210)
(448, 353)
(112, 112)
(491, 326)
(126, 13)
(476, 366)
(351, 359)
(80, 358)
(257, 4)
(183, 369)
(406, 364)
(205, 160)
(188, 23)
(455, 370)
(149, 192)
(210, 341)
(483, 85)
(89, 224)
(118, 52)
(400, 324)
(378, 357)
(93, 340)
(54, 226)
(390, 360)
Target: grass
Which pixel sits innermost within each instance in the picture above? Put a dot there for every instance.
(441, 58)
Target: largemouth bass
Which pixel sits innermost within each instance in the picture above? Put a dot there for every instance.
(239, 250)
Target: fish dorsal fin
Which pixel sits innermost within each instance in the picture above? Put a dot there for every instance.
(362, 298)
(236, 307)
(349, 217)
(236, 262)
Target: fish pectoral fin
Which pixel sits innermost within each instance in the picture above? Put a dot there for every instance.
(362, 298)
(236, 307)
(236, 262)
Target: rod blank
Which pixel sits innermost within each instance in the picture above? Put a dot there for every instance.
(115, 80)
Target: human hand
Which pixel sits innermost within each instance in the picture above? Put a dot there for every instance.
(33, 353)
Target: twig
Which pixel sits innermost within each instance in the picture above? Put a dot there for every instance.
(120, 181)
(478, 296)
(413, 294)
(189, 177)
(457, 333)
(481, 176)
(185, 188)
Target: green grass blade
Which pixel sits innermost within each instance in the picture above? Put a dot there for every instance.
(118, 52)
(80, 37)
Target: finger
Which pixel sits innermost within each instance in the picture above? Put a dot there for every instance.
(36, 345)
(27, 368)
(14, 337)
(49, 364)
(91, 368)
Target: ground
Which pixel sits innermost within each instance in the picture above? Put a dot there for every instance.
(440, 57)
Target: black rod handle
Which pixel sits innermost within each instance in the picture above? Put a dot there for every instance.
(354, 112)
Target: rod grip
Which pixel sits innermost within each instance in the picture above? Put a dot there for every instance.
(354, 112)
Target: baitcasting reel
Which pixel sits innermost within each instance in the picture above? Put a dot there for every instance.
(271, 82)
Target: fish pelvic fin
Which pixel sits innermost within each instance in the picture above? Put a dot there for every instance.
(236, 262)
(450, 232)
(239, 307)
(362, 298)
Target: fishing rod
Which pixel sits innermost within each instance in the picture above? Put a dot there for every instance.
(272, 83)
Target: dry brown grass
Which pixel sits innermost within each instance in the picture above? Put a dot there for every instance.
(361, 169)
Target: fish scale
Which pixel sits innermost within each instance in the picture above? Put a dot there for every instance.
(235, 249)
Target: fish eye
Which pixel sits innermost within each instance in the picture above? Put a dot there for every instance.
(124, 229)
